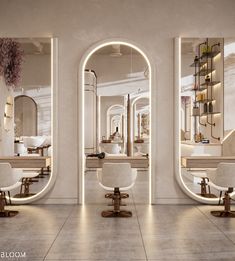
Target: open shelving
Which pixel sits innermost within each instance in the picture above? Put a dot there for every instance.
(204, 67)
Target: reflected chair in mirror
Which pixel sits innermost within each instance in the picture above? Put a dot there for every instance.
(9, 180)
(117, 177)
(223, 178)
(204, 183)
(26, 181)
(34, 144)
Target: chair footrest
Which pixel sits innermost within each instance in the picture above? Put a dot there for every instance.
(23, 195)
(207, 195)
(111, 213)
(111, 195)
(226, 214)
(8, 213)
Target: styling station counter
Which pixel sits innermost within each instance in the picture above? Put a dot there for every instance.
(25, 162)
(197, 149)
(205, 161)
(136, 162)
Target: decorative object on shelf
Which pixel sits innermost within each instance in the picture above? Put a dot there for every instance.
(206, 50)
(205, 107)
(207, 80)
(210, 107)
(205, 141)
(199, 137)
(196, 111)
(11, 59)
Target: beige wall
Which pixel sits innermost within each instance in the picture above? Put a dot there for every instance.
(105, 103)
(36, 71)
(152, 24)
(109, 69)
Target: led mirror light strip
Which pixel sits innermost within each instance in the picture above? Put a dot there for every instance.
(54, 127)
(81, 175)
(178, 173)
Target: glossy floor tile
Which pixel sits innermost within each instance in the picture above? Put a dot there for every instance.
(159, 232)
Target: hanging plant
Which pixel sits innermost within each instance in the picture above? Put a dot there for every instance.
(11, 59)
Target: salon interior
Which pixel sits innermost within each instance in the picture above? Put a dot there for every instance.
(99, 178)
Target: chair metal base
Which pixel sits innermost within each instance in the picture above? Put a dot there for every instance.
(24, 195)
(207, 195)
(111, 213)
(8, 213)
(226, 214)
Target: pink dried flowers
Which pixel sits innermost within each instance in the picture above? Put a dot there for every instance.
(11, 59)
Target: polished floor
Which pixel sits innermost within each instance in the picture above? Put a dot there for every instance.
(160, 232)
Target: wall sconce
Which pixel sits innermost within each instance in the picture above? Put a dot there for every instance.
(8, 113)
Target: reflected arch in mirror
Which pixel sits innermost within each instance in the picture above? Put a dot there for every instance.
(25, 116)
(115, 119)
(141, 125)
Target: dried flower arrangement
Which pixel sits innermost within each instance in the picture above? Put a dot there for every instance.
(11, 59)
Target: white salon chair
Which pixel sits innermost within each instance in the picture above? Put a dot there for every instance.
(9, 180)
(117, 177)
(223, 178)
(34, 143)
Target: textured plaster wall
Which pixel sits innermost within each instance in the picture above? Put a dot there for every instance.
(152, 24)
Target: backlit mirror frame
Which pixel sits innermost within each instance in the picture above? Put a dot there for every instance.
(81, 80)
(177, 124)
(54, 128)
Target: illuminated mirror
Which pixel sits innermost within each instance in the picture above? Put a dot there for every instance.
(206, 95)
(116, 98)
(26, 138)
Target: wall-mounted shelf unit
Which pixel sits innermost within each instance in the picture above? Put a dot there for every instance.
(204, 72)
(210, 113)
(210, 83)
(205, 102)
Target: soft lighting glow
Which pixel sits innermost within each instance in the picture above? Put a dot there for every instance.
(229, 49)
(82, 106)
(226, 137)
(217, 57)
(37, 195)
(178, 149)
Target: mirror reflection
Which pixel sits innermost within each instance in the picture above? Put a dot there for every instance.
(117, 112)
(207, 121)
(26, 136)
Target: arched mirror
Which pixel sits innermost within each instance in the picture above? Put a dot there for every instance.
(25, 116)
(26, 142)
(115, 122)
(206, 94)
(141, 125)
(116, 91)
